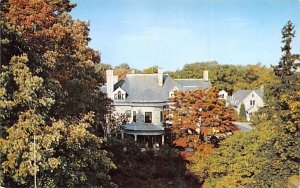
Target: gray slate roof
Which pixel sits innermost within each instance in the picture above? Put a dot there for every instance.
(240, 95)
(188, 84)
(144, 87)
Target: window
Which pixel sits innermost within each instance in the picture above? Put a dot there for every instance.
(116, 96)
(222, 96)
(134, 116)
(128, 113)
(252, 102)
(161, 116)
(122, 96)
(148, 117)
(119, 94)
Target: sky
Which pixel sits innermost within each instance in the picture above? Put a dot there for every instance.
(172, 33)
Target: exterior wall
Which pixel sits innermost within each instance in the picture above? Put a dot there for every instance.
(140, 113)
(258, 103)
(224, 96)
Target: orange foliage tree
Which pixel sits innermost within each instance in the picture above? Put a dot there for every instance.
(199, 113)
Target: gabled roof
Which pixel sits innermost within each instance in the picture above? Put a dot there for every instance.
(240, 95)
(144, 87)
(188, 84)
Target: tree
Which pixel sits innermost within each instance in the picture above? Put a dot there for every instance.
(151, 70)
(236, 163)
(228, 77)
(286, 65)
(269, 154)
(136, 167)
(49, 88)
(242, 114)
(198, 112)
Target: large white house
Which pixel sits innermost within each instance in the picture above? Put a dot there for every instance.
(143, 97)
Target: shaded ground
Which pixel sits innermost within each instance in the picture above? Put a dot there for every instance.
(147, 168)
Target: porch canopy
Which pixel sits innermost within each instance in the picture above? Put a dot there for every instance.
(143, 130)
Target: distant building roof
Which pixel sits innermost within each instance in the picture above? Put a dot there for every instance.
(240, 95)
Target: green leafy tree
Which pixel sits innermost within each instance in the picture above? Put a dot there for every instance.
(151, 70)
(242, 114)
(268, 155)
(49, 88)
(235, 163)
(228, 77)
(146, 167)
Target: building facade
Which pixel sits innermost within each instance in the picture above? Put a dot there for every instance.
(252, 99)
(143, 97)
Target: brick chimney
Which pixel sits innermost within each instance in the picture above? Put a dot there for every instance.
(160, 74)
(205, 76)
(110, 83)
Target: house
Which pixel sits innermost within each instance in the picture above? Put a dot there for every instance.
(223, 95)
(252, 99)
(143, 97)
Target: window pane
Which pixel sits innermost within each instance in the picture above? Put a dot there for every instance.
(128, 113)
(134, 116)
(148, 117)
(119, 95)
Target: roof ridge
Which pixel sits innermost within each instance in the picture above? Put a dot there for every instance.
(189, 79)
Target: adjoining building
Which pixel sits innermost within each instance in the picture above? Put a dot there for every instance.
(252, 100)
(143, 97)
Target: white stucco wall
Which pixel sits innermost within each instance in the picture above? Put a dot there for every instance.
(258, 103)
(140, 113)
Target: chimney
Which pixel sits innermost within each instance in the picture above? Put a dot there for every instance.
(160, 74)
(110, 83)
(261, 88)
(205, 75)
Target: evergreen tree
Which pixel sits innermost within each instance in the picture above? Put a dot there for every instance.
(242, 114)
(286, 66)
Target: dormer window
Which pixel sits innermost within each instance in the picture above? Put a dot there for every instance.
(173, 92)
(119, 94)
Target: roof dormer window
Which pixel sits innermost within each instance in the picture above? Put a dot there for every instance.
(173, 92)
(119, 94)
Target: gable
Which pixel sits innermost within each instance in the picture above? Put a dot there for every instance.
(119, 94)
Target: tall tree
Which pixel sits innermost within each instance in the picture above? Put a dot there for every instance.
(268, 155)
(286, 65)
(49, 89)
(242, 114)
(199, 112)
